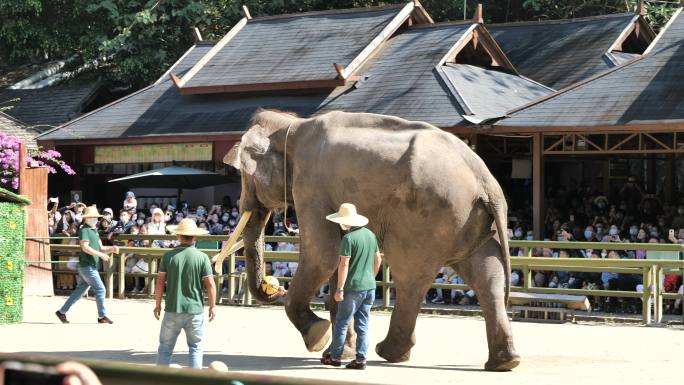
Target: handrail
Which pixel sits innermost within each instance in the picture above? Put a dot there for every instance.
(651, 270)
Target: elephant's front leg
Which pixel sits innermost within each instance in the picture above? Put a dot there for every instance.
(317, 262)
(484, 272)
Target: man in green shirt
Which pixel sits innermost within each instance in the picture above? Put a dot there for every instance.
(91, 252)
(184, 270)
(358, 266)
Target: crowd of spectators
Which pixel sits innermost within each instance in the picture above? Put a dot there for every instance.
(586, 215)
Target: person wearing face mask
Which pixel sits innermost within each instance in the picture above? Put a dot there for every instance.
(589, 235)
(614, 233)
(201, 210)
(91, 252)
(358, 265)
(157, 226)
(130, 203)
(234, 213)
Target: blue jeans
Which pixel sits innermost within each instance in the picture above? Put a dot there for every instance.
(355, 304)
(90, 277)
(172, 323)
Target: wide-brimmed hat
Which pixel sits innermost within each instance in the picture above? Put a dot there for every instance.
(91, 212)
(188, 228)
(347, 215)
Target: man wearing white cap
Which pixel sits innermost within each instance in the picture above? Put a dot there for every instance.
(184, 270)
(358, 266)
(91, 252)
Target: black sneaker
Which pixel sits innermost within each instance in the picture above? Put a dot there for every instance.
(104, 320)
(328, 360)
(359, 365)
(62, 317)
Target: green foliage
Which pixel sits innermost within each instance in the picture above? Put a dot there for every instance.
(12, 261)
(135, 41)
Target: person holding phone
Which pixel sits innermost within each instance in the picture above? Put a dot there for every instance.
(68, 372)
(91, 252)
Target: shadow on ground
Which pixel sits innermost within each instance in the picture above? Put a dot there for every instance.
(236, 362)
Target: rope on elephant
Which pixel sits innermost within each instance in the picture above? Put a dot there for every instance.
(289, 229)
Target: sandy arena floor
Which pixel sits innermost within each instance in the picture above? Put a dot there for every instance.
(450, 349)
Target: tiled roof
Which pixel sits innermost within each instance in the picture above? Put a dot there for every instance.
(294, 48)
(403, 80)
(646, 91)
(12, 127)
(160, 110)
(558, 53)
(45, 108)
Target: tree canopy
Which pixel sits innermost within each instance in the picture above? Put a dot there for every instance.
(135, 41)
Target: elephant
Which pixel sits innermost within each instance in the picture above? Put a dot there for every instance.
(430, 200)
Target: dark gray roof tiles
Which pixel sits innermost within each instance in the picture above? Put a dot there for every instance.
(491, 93)
(45, 108)
(561, 52)
(12, 127)
(293, 48)
(402, 79)
(649, 90)
(161, 110)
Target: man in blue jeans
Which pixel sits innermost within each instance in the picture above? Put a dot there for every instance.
(91, 252)
(184, 270)
(359, 264)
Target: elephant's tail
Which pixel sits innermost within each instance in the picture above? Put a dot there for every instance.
(499, 210)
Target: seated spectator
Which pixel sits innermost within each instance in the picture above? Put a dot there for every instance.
(565, 279)
(130, 203)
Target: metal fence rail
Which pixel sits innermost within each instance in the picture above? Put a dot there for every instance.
(651, 271)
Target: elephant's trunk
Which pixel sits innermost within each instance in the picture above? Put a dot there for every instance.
(254, 255)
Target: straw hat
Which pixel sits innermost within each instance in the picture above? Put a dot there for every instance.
(347, 215)
(91, 212)
(188, 228)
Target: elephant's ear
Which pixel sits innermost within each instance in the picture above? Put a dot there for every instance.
(232, 158)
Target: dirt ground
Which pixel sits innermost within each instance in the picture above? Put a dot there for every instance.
(449, 349)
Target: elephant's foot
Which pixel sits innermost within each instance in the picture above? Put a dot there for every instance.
(502, 361)
(318, 335)
(392, 352)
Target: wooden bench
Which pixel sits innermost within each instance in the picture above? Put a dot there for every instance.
(522, 304)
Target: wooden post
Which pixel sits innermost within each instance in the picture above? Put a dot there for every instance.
(197, 35)
(646, 295)
(33, 185)
(110, 277)
(122, 276)
(537, 185)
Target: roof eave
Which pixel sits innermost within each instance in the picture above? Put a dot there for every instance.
(275, 86)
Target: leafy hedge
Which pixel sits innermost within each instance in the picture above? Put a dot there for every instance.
(12, 261)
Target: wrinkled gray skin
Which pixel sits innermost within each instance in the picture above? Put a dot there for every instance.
(430, 200)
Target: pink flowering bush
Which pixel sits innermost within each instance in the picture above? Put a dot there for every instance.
(9, 161)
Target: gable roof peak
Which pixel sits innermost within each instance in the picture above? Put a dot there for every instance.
(477, 17)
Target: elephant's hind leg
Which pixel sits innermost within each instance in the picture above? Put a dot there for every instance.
(483, 271)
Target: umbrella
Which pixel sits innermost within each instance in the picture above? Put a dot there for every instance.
(174, 177)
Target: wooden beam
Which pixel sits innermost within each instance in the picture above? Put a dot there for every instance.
(175, 80)
(477, 17)
(537, 186)
(381, 37)
(339, 68)
(157, 139)
(196, 33)
(641, 8)
(245, 12)
(22, 164)
(421, 13)
(252, 87)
